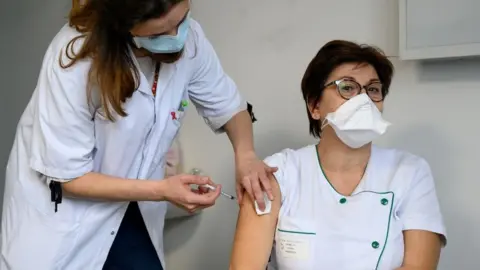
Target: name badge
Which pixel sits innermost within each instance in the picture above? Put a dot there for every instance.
(294, 245)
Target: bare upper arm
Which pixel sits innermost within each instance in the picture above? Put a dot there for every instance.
(422, 249)
(254, 234)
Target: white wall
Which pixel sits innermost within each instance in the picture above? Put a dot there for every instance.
(26, 27)
(265, 46)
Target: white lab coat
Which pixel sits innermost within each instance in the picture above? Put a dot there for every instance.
(318, 228)
(59, 136)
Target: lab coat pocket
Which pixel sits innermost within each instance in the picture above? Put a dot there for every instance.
(174, 124)
(176, 116)
(295, 244)
(177, 113)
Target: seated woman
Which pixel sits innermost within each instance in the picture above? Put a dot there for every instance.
(344, 204)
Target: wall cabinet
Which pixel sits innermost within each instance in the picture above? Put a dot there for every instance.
(431, 29)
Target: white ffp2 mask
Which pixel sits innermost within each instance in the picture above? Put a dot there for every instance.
(357, 121)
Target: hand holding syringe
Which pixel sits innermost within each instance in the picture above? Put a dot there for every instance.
(210, 187)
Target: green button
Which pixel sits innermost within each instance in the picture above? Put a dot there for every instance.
(184, 103)
(375, 244)
(343, 200)
(384, 201)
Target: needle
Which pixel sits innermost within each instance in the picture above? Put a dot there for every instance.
(198, 172)
(221, 192)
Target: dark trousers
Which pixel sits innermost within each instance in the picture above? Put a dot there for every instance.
(132, 248)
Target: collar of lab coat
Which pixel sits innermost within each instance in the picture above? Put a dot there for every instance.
(166, 73)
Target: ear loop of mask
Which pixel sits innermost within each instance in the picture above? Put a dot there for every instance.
(324, 124)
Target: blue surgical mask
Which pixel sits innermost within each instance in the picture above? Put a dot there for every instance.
(166, 43)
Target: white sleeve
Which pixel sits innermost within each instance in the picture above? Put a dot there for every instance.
(211, 90)
(420, 210)
(278, 160)
(285, 163)
(63, 129)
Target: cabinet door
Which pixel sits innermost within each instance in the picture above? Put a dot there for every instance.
(439, 28)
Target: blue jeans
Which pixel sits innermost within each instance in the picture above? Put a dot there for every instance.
(132, 248)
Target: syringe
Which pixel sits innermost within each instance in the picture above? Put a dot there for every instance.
(221, 192)
(212, 188)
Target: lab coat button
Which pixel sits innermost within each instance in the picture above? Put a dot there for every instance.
(384, 201)
(375, 245)
(343, 200)
(112, 233)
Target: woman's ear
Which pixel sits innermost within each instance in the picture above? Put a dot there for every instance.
(314, 109)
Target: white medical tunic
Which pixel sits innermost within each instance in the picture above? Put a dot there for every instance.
(321, 229)
(61, 137)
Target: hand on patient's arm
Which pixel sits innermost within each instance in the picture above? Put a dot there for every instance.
(252, 173)
(422, 250)
(254, 235)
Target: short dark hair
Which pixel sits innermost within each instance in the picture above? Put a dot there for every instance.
(332, 55)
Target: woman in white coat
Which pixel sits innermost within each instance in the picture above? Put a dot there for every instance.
(345, 204)
(110, 98)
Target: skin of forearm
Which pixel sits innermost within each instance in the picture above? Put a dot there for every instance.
(103, 187)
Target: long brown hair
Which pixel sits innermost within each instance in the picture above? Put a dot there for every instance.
(104, 27)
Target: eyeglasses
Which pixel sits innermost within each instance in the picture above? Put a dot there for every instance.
(348, 88)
